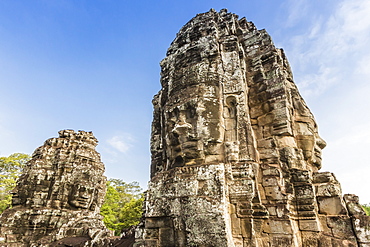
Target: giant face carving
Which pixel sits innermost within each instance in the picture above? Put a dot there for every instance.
(182, 141)
(81, 196)
(85, 190)
(307, 135)
(311, 145)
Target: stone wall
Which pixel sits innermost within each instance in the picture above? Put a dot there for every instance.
(236, 152)
(58, 197)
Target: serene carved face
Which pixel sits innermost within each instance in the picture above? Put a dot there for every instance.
(319, 145)
(181, 140)
(81, 196)
(192, 131)
(307, 136)
(31, 189)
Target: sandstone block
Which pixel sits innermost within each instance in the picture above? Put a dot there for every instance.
(361, 225)
(353, 205)
(331, 206)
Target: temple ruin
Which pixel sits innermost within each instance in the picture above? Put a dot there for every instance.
(58, 197)
(236, 159)
(236, 152)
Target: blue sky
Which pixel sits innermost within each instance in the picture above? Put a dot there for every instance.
(94, 65)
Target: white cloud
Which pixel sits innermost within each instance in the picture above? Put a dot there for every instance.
(331, 65)
(347, 156)
(121, 143)
(328, 52)
(364, 64)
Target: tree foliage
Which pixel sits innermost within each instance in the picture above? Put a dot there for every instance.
(10, 169)
(366, 207)
(123, 205)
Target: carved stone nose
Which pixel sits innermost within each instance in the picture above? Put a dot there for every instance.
(320, 142)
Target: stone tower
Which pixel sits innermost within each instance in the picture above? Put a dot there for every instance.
(58, 197)
(235, 150)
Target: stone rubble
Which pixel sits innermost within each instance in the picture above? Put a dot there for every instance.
(235, 150)
(58, 197)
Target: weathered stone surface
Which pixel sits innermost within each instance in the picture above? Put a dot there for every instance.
(58, 197)
(235, 150)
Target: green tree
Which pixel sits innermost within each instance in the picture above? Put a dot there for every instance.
(123, 205)
(366, 207)
(10, 169)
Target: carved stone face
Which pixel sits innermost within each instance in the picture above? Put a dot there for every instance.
(81, 196)
(182, 140)
(32, 189)
(320, 144)
(310, 142)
